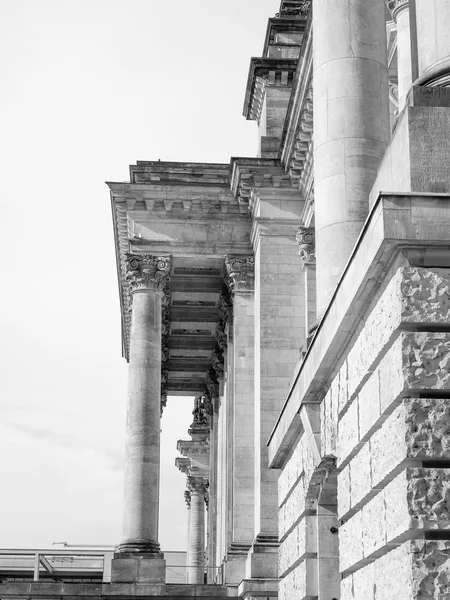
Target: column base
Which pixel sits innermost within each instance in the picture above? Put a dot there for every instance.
(140, 546)
(234, 563)
(262, 560)
(136, 567)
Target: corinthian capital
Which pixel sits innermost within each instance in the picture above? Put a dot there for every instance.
(147, 272)
(197, 485)
(396, 7)
(306, 240)
(241, 273)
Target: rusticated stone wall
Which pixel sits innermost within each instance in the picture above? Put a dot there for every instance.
(386, 420)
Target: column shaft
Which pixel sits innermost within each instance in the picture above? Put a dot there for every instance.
(351, 126)
(188, 558)
(142, 451)
(433, 39)
(196, 551)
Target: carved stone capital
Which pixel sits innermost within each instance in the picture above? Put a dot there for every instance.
(187, 498)
(147, 272)
(306, 240)
(397, 6)
(241, 273)
(197, 485)
(301, 10)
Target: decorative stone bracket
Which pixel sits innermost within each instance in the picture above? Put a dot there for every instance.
(241, 273)
(306, 239)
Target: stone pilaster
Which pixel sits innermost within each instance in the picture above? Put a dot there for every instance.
(351, 127)
(279, 335)
(196, 568)
(146, 276)
(240, 279)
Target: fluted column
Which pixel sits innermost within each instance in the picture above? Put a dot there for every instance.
(351, 127)
(147, 276)
(196, 548)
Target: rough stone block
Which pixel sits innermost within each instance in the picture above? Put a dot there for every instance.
(344, 491)
(360, 475)
(364, 583)
(351, 542)
(329, 421)
(418, 428)
(414, 295)
(392, 574)
(348, 432)
(293, 509)
(347, 589)
(374, 525)
(301, 542)
(301, 582)
(369, 404)
(416, 570)
(139, 569)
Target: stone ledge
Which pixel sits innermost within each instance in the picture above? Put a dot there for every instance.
(118, 591)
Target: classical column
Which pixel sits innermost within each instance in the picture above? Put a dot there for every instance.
(147, 276)
(351, 127)
(196, 550)
(306, 240)
(400, 13)
(433, 39)
(187, 499)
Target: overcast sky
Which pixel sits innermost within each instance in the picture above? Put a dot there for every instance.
(89, 87)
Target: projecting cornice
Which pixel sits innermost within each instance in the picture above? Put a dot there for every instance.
(250, 173)
(262, 72)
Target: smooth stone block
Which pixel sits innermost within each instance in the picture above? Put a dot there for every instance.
(138, 569)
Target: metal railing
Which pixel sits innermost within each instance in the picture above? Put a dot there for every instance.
(82, 564)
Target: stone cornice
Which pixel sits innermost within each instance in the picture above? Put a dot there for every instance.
(241, 273)
(296, 152)
(250, 173)
(168, 200)
(282, 24)
(262, 72)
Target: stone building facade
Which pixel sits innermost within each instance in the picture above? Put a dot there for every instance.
(303, 297)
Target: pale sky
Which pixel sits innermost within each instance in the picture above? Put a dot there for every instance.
(87, 88)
